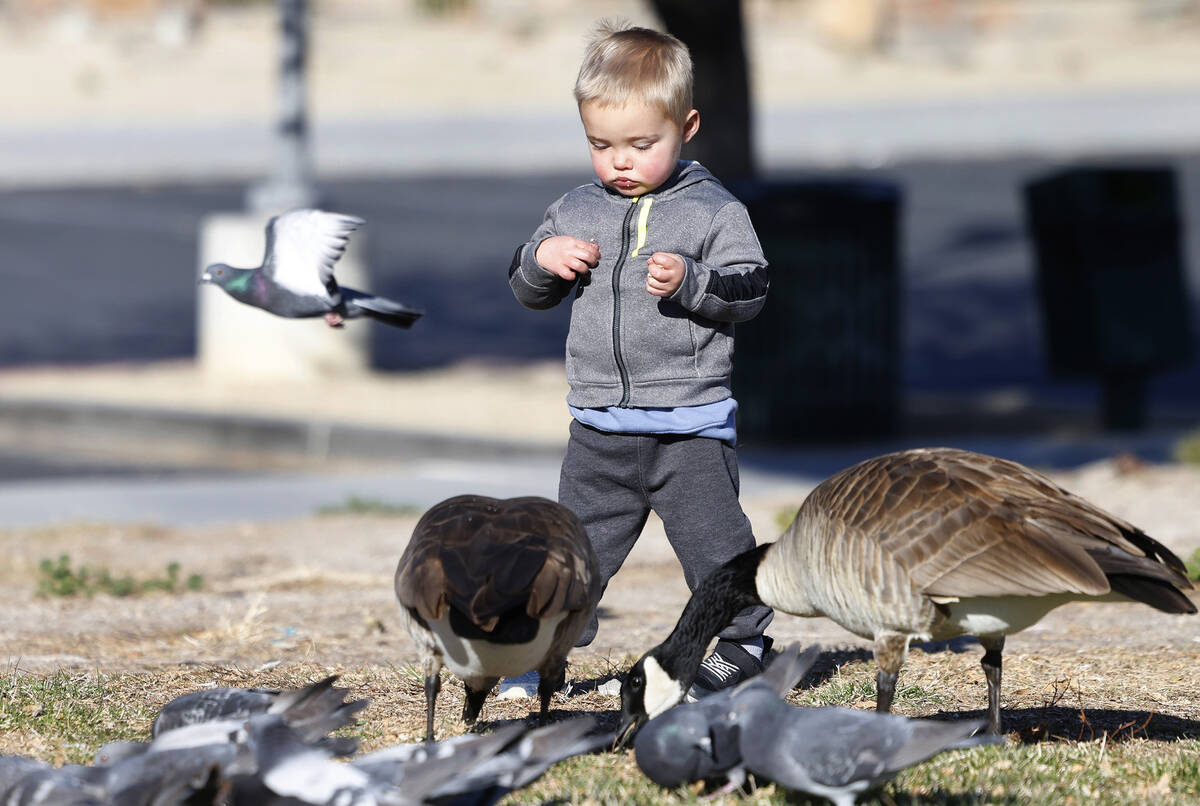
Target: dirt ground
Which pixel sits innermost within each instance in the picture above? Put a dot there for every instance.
(315, 595)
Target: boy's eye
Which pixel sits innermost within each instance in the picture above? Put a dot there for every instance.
(643, 146)
(598, 146)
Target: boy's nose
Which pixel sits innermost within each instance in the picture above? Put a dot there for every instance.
(622, 160)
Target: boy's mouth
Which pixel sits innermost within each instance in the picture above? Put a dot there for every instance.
(624, 183)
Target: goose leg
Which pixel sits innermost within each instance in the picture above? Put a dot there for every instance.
(433, 684)
(547, 685)
(891, 650)
(473, 703)
(993, 648)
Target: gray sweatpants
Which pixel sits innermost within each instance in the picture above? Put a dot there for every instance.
(613, 482)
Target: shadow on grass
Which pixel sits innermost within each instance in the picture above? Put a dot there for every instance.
(1056, 723)
(826, 666)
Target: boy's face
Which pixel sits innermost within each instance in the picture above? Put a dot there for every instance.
(634, 146)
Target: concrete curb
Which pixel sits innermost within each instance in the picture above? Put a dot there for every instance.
(31, 419)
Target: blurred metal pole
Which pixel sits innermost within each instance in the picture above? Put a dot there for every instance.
(291, 183)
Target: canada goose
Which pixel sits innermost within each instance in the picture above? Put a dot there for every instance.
(924, 544)
(296, 278)
(493, 588)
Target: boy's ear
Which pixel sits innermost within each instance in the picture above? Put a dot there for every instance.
(691, 124)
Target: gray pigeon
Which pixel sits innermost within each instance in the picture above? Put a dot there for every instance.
(27, 782)
(314, 711)
(836, 753)
(14, 768)
(840, 753)
(470, 770)
(212, 704)
(520, 763)
(701, 740)
(296, 278)
(191, 772)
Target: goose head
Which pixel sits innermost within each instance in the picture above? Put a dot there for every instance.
(647, 691)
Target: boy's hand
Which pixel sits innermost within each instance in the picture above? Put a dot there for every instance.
(567, 257)
(665, 273)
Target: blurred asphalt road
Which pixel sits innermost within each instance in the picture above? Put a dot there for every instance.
(108, 273)
(104, 270)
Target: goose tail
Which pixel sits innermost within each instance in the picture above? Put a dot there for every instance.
(1155, 592)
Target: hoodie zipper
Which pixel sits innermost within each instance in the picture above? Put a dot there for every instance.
(616, 287)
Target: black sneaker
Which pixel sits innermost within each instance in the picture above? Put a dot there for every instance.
(727, 666)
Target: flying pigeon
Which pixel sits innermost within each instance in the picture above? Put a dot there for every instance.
(296, 278)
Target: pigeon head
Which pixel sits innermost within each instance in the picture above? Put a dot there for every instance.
(676, 748)
(647, 691)
(220, 274)
(235, 282)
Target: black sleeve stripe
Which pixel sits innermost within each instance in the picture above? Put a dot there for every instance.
(735, 287)
(516, 262)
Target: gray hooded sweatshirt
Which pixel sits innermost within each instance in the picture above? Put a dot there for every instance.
(627, 347)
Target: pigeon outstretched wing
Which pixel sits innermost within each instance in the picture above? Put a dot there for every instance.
(302, 248)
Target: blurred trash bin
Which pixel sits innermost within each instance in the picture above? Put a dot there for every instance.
(1111, 278)
(821, 362)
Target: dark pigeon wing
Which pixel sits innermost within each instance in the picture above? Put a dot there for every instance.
(520, 763)
(212, 704)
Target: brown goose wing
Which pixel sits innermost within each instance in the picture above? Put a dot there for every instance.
(569, 579)
(967, 524)
(485, 556)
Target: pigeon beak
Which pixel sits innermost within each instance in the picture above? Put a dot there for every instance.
(204, 278)
(630, 724)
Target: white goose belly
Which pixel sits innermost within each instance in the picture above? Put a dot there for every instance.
(475, 658)
(999, 615)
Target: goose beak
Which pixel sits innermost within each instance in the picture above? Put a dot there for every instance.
(630, 725)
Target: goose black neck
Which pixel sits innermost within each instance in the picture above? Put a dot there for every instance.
(717, 599)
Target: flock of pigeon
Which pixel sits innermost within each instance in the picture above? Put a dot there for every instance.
(260, 746)
(916, 545)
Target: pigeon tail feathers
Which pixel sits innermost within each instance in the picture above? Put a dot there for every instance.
(380, 308)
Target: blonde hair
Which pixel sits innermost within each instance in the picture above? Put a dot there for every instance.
(624, 63)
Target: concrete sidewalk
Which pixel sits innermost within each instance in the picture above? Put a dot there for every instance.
(160, 443)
